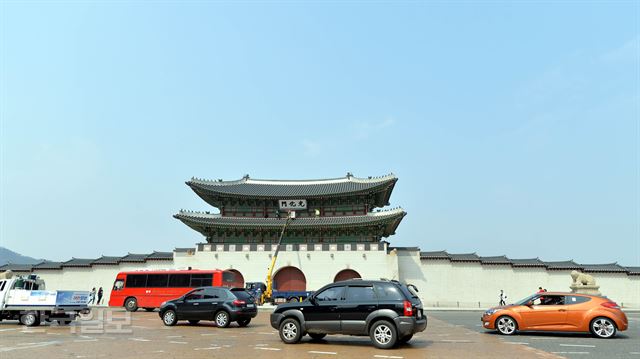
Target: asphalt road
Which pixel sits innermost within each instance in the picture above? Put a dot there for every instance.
(624, 345)
(116, 334)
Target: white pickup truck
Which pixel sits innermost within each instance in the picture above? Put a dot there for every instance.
(24, 298)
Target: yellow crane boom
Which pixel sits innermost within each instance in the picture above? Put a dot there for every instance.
(268, 292)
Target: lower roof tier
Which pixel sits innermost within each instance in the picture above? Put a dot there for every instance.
(384, 223)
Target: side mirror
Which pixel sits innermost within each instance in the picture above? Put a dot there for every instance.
(529, 303)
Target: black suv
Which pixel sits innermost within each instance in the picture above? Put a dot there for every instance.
(222, 305)
(387, 311)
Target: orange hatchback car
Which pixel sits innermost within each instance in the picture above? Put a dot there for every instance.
(559, 312)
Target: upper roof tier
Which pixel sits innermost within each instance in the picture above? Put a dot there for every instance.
(386, 221)
(378, 189)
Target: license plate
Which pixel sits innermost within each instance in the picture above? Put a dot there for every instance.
(250, 305)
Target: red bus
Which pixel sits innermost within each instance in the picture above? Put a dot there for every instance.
(149, 289)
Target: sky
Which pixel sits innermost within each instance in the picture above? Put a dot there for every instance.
(513, 127)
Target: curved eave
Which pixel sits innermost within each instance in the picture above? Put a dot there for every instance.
(214, 192)
(387, 221)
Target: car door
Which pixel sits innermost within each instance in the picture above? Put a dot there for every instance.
(322, 316)
(576, 306)
(548, 312)
(190, 306)
(360, 301)
(206, 306)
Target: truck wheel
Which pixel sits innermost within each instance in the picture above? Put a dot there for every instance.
(30, 319)
(383, 334)
(293, 300)
(131, 304)
(290, 331)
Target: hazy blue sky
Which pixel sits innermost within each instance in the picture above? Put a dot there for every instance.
(513, 126)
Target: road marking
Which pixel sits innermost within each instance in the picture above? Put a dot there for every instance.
(316, 352)
(209, 334)
(210, 348)
(634, 353)
(265, 333)
(260, 345)
(269, 348)
(173, 342)
(140, 339)
(569, 352)
(175, 336)
(517, 343)
(455, 341)
(387, 356)
(578, 345)
(85, 340)
(6, 330)
(38, 345)
(139, 326)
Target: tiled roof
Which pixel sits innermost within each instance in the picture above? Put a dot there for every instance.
(282, 189)
(131, 257)
(495, 260)
(160, 256)
(106, 260)
(202, 222)
(562, 265)
(633, 270)
(530, 262)
(16, 267)
(78, 262)
(184, 250)
(465, 257)
(48, 265)
(435, 255)
(611, 267)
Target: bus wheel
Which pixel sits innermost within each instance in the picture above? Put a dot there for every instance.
(131, 304)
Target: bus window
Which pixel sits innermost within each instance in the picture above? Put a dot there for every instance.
(157, 280)
(118, 284)
(179, 280)
(136, 280)
(201, 280)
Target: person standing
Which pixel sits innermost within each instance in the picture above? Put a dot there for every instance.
(503, 297)
(92, 296)
(100, 292)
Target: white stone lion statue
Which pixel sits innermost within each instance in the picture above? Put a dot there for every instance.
(582, 279)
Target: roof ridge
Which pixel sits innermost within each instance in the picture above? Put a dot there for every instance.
(246, 179)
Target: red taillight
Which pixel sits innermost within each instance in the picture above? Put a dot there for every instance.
(610, 305)
(408, 310)
(239, 302)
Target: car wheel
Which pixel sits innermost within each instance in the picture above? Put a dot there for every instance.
(506, 325)
(406, 338)
(317, 336)
(290, 331)
(244, 322)
(30, 319)
(131, 304)
(169, 318)
(603, 327)
(194, 321)
(383, 334)
(222, 319)
(149, 309)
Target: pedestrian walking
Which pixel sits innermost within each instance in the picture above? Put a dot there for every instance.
(92, 296)
(100, 292)
(503, 297)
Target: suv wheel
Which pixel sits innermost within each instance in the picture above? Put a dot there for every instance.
(603, 327)
(383, 334)
(131, 304)
(406, 338)
(169, 318)
(222, 319)
(317, 336)
(244, 322)
(290, 331)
